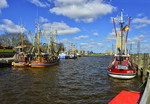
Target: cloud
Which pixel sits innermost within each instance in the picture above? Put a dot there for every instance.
(82, 10)
(141, 22)
(92, 44)
(39, 3)
(99, 44)
(140, 38)
(83, 43)
(147, 46)
(66, 42)
(3, 4)
(95, 34)
(10, 27)
(42, 19)
(81, 37)
(139, 15)
(62, 28)
(140, 26)
(111, 37)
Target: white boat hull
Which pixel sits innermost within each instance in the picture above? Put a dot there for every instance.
(122, 76)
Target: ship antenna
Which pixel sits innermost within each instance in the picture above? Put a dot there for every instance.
(121, 27)
(129, 27)
(121, 17)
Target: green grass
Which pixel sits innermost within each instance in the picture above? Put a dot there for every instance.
(6, 50)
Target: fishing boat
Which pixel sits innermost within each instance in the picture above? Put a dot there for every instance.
(122, 66)
(72, 54)
(45, 59)
(63, 55)
(21, 58)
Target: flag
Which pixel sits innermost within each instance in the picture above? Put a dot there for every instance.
(125, 28)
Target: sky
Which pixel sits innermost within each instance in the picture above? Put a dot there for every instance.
(84, 23)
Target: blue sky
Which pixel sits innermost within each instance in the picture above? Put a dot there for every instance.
(86, 23)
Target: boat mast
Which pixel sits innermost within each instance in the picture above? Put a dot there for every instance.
(51, 42)
(22, 39)
(38, 42)
(121, 27)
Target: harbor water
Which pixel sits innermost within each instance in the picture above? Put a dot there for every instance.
(72, 81)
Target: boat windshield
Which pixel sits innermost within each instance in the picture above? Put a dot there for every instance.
(122, 58)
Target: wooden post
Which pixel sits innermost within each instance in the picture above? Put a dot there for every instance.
(139, 63)
(145, 67)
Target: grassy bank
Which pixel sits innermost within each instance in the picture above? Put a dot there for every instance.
(6, 50)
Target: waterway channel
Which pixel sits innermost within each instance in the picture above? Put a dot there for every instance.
(73, 81)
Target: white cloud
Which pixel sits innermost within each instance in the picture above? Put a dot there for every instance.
(140, 26)
(66, 41)
(95, 34)
(147, 46)
(62, 28)
(99, 44)
(141, 22)
(42, 19)
(111, 37)
(140, 38)
(39, 3)
(139, 15)
(92, 44)
(81, 37)
(3, 4)
(82, 10)
(83, 43)
(10, 27)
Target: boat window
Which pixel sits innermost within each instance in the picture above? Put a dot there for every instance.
(120, 58)
(117, 58)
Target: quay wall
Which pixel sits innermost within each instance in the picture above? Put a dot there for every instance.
(143, 62)
(145, 99)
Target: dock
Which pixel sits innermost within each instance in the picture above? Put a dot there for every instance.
(145, 99)
(6, 61)
(143, 62)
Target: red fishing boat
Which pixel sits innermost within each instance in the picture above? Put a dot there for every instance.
(121, 66)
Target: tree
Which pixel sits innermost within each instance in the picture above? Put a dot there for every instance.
(13, 39)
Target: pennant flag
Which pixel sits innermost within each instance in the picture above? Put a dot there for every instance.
(125, 28)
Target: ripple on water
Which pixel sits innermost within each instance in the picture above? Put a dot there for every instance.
(81, 81)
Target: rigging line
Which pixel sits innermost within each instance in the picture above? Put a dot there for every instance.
(114, 26)
(129, 27)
